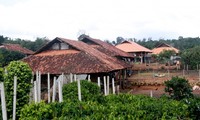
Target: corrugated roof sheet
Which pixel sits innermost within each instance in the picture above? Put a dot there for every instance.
(17, 47)
(105, 47)
(132, 47)
(82, 59)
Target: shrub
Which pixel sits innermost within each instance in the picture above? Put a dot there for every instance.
(36, 111)
(24, 75)
(89, 91)
(123, 107)
(178, 88)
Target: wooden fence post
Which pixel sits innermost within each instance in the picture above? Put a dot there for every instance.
(3, 101)
(14, 97)
(54, 90)
(48, 81)
(151, 93)
(79, 90)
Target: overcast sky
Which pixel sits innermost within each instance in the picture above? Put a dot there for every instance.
(103, 19)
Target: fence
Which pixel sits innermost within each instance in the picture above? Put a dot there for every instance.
(159, 76)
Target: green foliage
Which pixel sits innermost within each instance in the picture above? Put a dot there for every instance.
(193, 107)
(119, 107)
(89, 91)
(24, 75)
(7, 56)
(178, 88)
(1, 74)
(191, 57)
(38, 111)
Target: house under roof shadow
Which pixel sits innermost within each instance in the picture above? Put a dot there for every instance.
(69, 56)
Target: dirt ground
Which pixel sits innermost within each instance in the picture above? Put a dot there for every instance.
(150, 80)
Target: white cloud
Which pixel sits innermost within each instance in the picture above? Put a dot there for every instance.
(104, 19)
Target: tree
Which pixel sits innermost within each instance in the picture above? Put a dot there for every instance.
(119, 40)
(165, 55)
(178, 88)
(1, 39)
(7, 56)
(24, 75)
(191, 57)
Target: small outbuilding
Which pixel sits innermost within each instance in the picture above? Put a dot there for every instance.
(16, 47)
(140, 53)
(163, 46)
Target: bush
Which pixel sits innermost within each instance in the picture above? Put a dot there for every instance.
(123, 106)
(24, 75)
(178, 88)
(193, 107)
(89, 91)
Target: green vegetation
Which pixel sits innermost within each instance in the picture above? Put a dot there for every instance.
(191, 57)
(7, 56)
(178, 88)
(119, 107)
(89, 91)
(122, 106)
(24, 76)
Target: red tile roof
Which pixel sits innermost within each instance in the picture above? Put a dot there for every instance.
(132, 47)
(17, 47)
(163, 46)
(79, 60)
(105, 47)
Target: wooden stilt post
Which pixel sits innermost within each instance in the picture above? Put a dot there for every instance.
(99, 82)
(79, 90)
(54, 90)
(74, 77)
(48, 82)
(60, 90)
(108, 85)
(113, 85)
(104, 81)
(89, 78)
(3, 101)
(117, 89)
(62, 79)
(31, 94)
(199, 75)
(14, 98)
(35, 92)
(71, 80)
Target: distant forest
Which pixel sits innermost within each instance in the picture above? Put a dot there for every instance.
(181, 43)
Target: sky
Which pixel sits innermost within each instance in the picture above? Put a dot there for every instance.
(102, 19)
